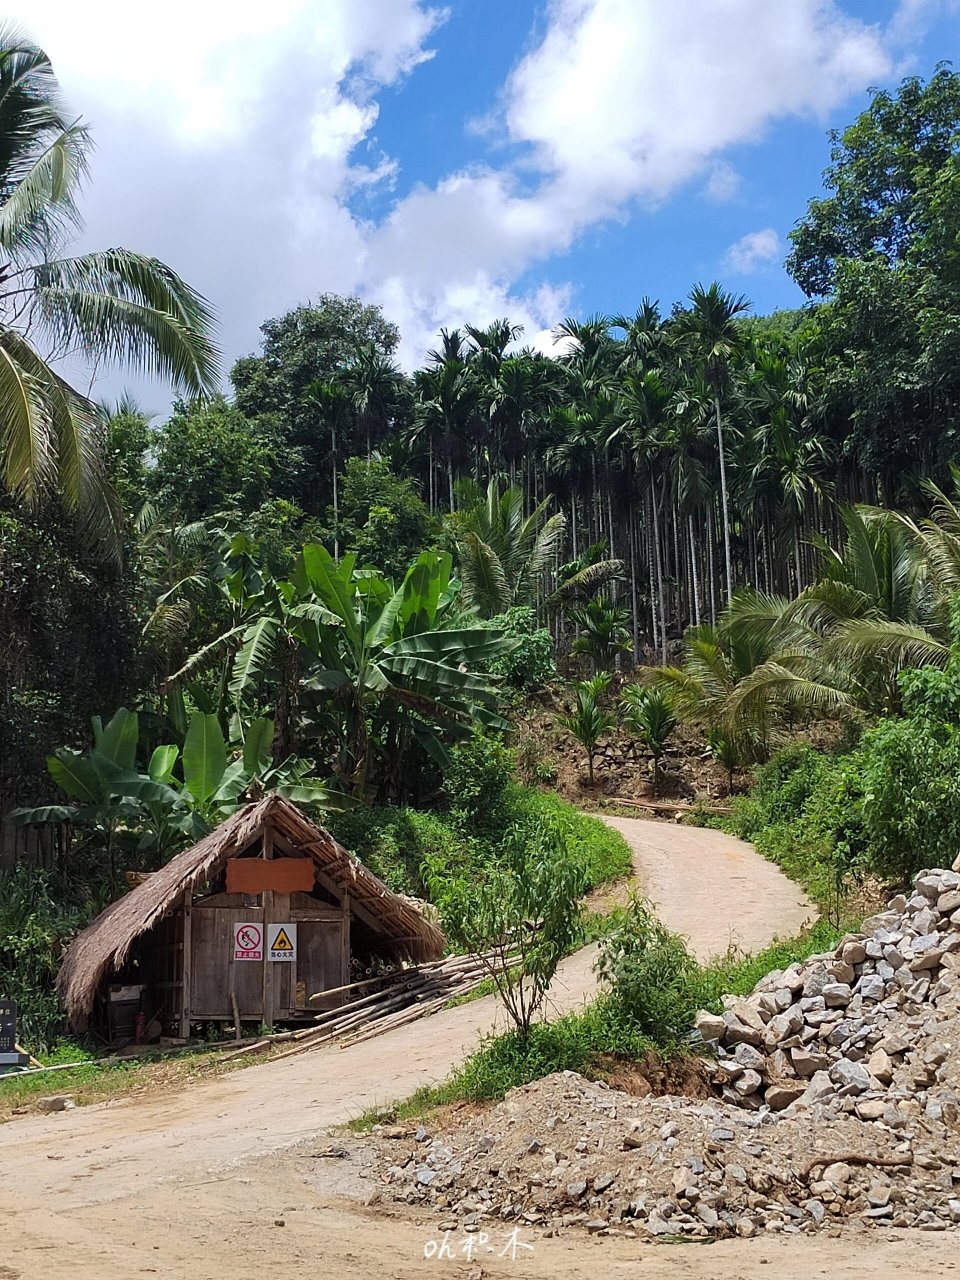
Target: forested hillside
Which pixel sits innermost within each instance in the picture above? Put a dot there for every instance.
(339, 579)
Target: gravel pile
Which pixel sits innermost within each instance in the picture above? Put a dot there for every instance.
(838, 1103)
(858, 1026)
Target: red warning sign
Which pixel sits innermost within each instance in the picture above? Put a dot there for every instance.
(247, 942)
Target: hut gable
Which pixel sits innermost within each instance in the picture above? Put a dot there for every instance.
(104, 946)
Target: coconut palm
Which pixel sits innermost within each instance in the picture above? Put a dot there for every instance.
(113, 305)
(504, 554)
(874, 611)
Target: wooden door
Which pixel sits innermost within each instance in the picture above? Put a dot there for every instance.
(321, 963)
(214, 974)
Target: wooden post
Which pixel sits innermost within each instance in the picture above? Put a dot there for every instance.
(268, 919)
(185, 966)
(345, 939)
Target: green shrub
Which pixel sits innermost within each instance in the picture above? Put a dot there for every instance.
(911, 796)
(398, 844)
(530, 665)
(477, 784)
(651, 977)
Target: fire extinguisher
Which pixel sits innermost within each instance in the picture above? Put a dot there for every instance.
(141, 1026)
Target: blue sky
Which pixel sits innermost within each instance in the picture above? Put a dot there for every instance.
(530, 158)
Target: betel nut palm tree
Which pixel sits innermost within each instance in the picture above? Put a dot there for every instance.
(113, 305)
(709, 330)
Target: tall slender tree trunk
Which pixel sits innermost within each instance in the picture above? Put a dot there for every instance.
(633, 582)
(336, 503)
(659, 561)
(711, 566)
(655, 634)
(693, 572)
(724, 499)
(450, 467)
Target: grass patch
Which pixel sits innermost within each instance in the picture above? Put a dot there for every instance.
(737, 974)
(604, 852)
(100, 1079)
(645, 1010)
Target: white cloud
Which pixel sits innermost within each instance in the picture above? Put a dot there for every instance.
(722, 184)
(753, 252)
(231, 136)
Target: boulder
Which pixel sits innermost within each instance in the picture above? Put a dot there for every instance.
(780, 1095)
(710, 1025)
(850, 1076)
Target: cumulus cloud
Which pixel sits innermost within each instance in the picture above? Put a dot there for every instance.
(722, 184)
(753, 252)
(235, 140)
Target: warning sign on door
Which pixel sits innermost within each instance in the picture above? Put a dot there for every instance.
(282, 941)
(247, 942)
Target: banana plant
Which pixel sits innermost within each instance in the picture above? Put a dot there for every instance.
(395, 665)
(182, 796)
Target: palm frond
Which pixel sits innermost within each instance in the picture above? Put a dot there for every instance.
(868, 641)
(128, 307)
(484, 580)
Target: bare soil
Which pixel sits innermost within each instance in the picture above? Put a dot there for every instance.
(203, 1182)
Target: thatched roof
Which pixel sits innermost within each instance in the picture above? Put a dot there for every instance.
(105, 944)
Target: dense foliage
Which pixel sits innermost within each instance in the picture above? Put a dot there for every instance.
(342, 580)
(888, 808)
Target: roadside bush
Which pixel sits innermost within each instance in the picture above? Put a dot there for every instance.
(911, 796)
(477, 783)
(651, 979)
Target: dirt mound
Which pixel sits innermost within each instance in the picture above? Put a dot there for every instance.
(836, 1101)
(566, 1152)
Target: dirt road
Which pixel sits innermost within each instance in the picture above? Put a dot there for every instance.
(192, 1184)
(711, 888)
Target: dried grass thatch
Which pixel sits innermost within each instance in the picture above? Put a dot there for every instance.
(105, 944)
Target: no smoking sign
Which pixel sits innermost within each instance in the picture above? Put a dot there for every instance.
(247, 942)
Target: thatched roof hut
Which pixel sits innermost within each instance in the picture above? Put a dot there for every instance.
(157, 914)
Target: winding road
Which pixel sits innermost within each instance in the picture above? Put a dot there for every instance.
(89, 1192)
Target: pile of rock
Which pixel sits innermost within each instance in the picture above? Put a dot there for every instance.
(566, 1153)
(838, 1084)
(857, 1026)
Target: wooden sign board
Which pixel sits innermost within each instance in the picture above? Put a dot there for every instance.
(282, 875)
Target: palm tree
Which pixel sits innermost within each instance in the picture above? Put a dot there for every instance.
(709, 330)
(112, 305)
(649, 714)
(603, 632)
(334, 404)
(374, 386)
(874, 611)
(590, 721)
(504, 554)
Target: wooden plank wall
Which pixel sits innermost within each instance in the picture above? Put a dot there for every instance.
(41, 847)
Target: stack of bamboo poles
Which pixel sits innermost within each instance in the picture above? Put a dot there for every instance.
(405, 996)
